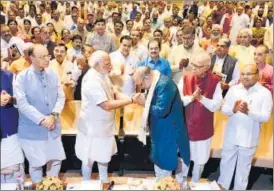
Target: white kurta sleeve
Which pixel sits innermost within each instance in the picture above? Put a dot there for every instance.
(228, 106)
(262, 114)
(235, 75)
(185, 99)
(215, 103)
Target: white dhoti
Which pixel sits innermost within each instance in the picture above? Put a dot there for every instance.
(12, 159)
(241, 157)
(199, 154)
(99, 149)
(41, 152)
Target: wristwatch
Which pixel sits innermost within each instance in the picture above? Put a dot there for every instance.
(55, 115)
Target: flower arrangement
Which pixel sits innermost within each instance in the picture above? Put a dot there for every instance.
(167, 183)
(50, 183)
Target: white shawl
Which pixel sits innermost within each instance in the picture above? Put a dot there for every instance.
(144, 124)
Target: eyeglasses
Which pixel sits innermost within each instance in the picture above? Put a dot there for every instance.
(222, 46)
(248, 74)
(44, 57)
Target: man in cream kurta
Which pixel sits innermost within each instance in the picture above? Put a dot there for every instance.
(185, 51)
(95, 139)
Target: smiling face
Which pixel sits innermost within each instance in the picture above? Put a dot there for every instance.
(154, 49)
(125, 47)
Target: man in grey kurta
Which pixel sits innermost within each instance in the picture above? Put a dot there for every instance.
(100, 39)
(40, 100)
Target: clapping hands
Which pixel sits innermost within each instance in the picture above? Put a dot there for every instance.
(241, 106)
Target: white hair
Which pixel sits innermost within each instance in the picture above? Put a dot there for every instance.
(247, 31)
(204, 56)
(217, 26)
(97, 58)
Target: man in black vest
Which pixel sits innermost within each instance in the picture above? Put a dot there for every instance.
(225, 65)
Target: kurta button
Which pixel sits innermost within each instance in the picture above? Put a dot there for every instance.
(45, 86)
(47, 104)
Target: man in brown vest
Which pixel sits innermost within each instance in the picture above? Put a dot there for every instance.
(201, 95)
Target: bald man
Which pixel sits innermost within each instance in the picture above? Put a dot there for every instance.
(164, 113)
(201, 95)
(247, 105)
(40, 100)
(95, 138)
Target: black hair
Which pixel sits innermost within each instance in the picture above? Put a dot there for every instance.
(26, 21)
(100, 21)
(154, 40)
(77, 36)
(61, 44)
(125, 37)
(12, 20)
(160, 31)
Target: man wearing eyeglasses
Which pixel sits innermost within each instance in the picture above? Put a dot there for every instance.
(224, 65)
(247, 105)
(40, 100)
(201, 95)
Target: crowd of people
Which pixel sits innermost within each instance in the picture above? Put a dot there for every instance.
(182, 61)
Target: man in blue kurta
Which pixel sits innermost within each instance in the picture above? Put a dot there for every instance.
(12, 158)
(154, 61)
(164, 114)
(40, 100)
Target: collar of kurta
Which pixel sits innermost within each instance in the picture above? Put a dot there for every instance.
(254, 88)
(39, 72)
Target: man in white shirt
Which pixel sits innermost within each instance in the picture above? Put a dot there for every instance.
(137, 48)
(59, 24)
(75, 51)
(8, 41)
(239, 21)
(95, 138)
(247, 105)
(125, 64)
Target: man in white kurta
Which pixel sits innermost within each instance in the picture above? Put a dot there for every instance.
(239, 21)
(95, 139)
(247, 105)
(123, 59)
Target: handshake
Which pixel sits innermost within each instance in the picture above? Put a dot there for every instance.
(139, 98)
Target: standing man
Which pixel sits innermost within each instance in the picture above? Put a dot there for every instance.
(126, 62)
(100, 39)
(265, 70)
(39, 107)
(95, 138)
(201, 95)
(154, 61)
(224, 65)
(12, 159)
(239, 21)
(186, 51)
(67, 71)
(163, 113)
(244, 52)
(247, 105)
